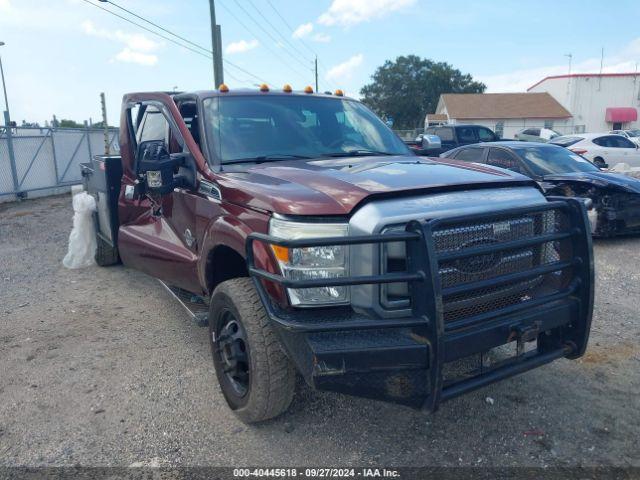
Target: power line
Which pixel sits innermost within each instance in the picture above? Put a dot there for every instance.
(147, 29)
(302, 42)
(157, 26)
(208, 54)
(290, 27)
(285, 62)
(306, 61)
(266, 31)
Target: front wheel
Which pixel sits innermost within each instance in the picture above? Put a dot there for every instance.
(105, 254)
(255, 376)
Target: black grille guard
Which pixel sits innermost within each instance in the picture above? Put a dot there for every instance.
(426, 293)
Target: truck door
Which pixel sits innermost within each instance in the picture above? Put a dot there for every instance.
(160, 239)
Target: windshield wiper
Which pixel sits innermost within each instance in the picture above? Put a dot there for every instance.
(274, 157)
(356, 153)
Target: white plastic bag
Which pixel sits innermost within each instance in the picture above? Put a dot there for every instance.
(82, 240)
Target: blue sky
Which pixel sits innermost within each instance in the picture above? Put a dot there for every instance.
(60, 54)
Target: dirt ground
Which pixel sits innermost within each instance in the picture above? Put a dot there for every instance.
(101, 367)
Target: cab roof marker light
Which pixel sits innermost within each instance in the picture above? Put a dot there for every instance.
(223, 88)
(339, 93)
(264, 87)
(287, 88)
(308, 89)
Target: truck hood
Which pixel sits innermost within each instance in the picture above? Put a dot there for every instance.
(599, 179)
(337, 186)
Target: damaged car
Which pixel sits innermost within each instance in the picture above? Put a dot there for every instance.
(560, 172)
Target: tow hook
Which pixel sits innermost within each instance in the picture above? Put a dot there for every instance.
(523, 334)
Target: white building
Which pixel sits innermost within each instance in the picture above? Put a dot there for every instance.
(504, 113)
(598, 102)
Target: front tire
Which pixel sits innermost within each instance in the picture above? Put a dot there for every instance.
(105, 254)
(255, 376)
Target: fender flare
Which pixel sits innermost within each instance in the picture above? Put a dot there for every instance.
(228, 231)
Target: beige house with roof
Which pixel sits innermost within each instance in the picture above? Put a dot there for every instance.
(504, 113)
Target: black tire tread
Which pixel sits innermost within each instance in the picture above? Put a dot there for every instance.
(106, 254)
(273, 374)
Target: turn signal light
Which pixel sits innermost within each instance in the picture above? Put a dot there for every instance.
(281, 253)
(287, 88)
(339, 93)
(223, 88)
(264, 87)
(308, 89)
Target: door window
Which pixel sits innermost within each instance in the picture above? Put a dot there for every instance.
(485, 135)
(445, 134)
(503, 159)
(466, 134)
(622, 142)
(154, 126)
(604, 141)
(470, 155)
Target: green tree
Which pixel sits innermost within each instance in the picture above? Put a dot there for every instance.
(409, 87)
(70, 124)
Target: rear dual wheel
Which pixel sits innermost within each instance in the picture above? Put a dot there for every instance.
(255, 376)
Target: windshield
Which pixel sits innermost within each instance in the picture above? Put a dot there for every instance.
(276, 127)
(553, 160)
(633, 133)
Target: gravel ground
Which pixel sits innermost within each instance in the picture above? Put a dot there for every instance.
(101, 367)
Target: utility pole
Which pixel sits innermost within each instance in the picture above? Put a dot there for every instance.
(216, 47)
(9, 133)
(316, 68)
(105, 125)
(4, 85)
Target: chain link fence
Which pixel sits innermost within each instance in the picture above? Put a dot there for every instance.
(44, 161)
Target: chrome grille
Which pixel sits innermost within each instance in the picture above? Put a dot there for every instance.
(493, 230)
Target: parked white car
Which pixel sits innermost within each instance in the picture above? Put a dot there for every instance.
(633, 135)
(602, 148)
(536, 135)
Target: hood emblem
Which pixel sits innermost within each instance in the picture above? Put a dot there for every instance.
(189, 238)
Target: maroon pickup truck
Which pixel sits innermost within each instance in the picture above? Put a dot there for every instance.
(309, 238)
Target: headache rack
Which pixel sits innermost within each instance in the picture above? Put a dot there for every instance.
(561, 275)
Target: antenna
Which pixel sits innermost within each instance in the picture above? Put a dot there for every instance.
(601, 65)
(570, 56)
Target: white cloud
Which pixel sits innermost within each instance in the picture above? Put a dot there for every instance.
(343, 71)
(351, 12)
(303, 30)
(138, 47)
(521, 79)
(135, 41)
(241, 46)
(321, 37)
(130, 56)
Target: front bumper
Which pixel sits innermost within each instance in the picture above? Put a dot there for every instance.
(402, 359)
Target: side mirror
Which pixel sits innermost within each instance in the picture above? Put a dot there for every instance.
(162, 172)
(600, 163)
(431, 142)
(157, 168)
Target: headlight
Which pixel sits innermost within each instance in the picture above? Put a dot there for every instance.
(312, 262)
